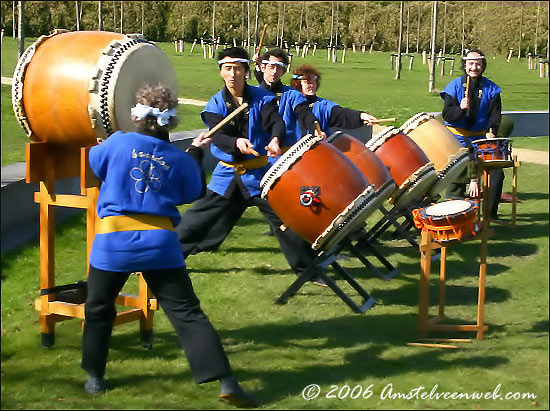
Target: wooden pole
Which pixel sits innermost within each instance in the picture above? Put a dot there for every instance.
(431, 82)
(21, 27)
(100, 15)
(520, 30)
(399, 41)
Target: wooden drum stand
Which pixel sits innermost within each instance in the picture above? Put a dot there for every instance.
(47, 162)
(427, 324)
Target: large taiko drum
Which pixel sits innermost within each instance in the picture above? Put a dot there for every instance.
(448, 221)
(441, 146)
(368, 163)
(496, 152)
(317, 192)
(409, 167)
(72, 87)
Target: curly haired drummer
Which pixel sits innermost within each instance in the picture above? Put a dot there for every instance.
(143, 178)
(243, 148)
(472, 110)
(307, 80)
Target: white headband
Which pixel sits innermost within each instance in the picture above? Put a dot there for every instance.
(140, 111)
(233, 60)
(300, 77)
(277, 63)
(474, 58)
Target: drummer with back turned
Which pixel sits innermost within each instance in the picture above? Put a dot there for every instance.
(473, 116)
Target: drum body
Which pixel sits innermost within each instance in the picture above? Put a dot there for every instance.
(494, 151)
(317, 192)
(448, 221)
(72, 87)
(409, 167)
(368, 163)
(442, 148)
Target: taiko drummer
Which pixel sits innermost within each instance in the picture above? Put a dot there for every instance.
(242, 148)
(472, 111)
(143, 179)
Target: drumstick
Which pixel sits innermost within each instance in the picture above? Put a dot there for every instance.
(318, 128)
(226, 120)
(383, 120)
(266, 148)
(259, 48)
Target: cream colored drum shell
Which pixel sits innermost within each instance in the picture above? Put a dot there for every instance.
(439, 144)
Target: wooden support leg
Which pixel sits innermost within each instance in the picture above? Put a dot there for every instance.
(146, 300)
(424, 285)
(442, 278)
(514, 189)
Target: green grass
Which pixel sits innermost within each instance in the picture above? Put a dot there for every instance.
(278, 350)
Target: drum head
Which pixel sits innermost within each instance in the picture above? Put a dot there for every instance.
(449, 207)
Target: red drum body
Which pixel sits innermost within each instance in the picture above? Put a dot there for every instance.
(449, 221)
(494, 151)
(441, 146)
(317, 192)
(409, 167)
(368, 163)
(72, 87)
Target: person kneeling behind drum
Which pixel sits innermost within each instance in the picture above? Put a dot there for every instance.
(143, 178)
(472, 110)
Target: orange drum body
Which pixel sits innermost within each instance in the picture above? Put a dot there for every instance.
(443, 149)
(449, 221)
(409, 167)
(495, 151)
(368, 163)
(317, 192)
(71, 87)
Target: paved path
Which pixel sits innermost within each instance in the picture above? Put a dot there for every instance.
(531, 156)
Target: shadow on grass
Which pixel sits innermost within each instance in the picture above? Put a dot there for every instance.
(365, 339)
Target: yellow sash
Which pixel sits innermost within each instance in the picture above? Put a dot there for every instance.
(241, 166)
(133, 222)
(466, 133)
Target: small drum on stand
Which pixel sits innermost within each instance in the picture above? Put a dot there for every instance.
(317, 192)
(443, 149)
(69, 88)
(448, 221)
(409, 167)
(368, 163)
(495, 152)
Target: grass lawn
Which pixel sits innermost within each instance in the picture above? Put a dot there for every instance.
(359, 361)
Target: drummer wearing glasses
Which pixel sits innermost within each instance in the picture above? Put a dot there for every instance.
(472, 111)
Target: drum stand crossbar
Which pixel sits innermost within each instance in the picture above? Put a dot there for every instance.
(317, 269)
(45, 164)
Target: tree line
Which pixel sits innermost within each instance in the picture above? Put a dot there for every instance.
(495, 27)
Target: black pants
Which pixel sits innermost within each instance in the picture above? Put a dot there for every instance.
(211, 218)
(457, 190)
(174, 291)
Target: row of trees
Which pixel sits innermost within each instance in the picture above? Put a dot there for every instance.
(493, 26)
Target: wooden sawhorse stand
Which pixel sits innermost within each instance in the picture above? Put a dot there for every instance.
(425, 323)
(46, 163)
